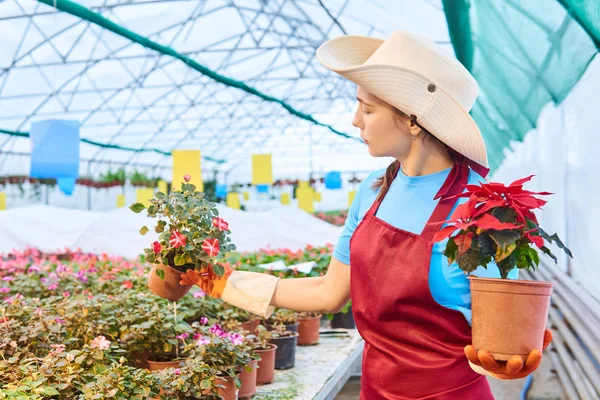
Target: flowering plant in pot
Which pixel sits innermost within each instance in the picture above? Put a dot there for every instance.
(286, 342)
(282, 316)
(191, 236)
(498, 224)
(309, 324)
(266, 351)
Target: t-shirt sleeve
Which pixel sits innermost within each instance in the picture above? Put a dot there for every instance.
(342, 249)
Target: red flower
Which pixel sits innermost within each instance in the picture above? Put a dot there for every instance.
(177, 239)
(211, 247)
(127, 284)
(187, 178)
(156, 246)
(220, 224)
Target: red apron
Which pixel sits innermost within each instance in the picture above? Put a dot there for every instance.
(414, 347)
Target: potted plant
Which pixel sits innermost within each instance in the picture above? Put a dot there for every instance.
(498, 224)
(286, 341)
(344, 319)
(281, 316)
(309, 325)
(191, 235)
(233, 317)
(266, 352)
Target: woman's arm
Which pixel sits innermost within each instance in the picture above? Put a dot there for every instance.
(328, 293)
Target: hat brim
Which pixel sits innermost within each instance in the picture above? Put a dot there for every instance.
(406, 90)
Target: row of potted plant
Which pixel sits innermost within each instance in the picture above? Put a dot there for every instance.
(337, 218)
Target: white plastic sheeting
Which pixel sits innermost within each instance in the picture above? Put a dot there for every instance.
(564, 153)
(117, 232)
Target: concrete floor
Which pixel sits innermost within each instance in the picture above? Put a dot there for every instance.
(545, 386)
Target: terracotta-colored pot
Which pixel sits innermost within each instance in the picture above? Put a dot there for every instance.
(248, 388)
(266, 365)
(158, 365)
(169, 287)
(308, 330)
(248, 326)
(509, 316)
(255, 324)
(230, 392)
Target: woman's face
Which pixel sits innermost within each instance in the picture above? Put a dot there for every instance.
(387, 133)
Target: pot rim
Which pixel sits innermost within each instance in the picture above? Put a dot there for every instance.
(308, 318)
(270, 347)
(515, 282)
(294, 334)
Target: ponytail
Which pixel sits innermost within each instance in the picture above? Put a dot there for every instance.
(383, 183)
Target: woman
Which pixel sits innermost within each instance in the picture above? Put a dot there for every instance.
(411, 308)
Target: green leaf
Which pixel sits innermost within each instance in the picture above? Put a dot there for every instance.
(137, 207)
(505, 214)
(534, 256)
(180, 259)
(160, 226)
(144, 230)
(554, 238)
(549, 253)
(160, 195)
(50, 391)
(507, 265)
(485, 245)
(468, 261)
(160, 273)
(450, 251)
(504, 238)
(219, 270)
(205, 384)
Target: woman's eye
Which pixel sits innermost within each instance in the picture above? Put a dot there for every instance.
(366, 112)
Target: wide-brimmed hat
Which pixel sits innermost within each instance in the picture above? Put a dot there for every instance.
(418, 77)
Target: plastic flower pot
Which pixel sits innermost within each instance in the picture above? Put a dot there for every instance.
(266, 364)
(169, 287)
(285, 355)
(345, 321)
(230, 391)
(158, 365)
(291, 328)
(308, 330)
(248, 379)
(509, 316)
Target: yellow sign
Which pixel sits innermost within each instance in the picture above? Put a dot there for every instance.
(120, 200)
(351, 195)
(305, 198)
(246, 195)
(303, 185)
(318, 196)
(262, 169)
(2, 201)
(285, 198)
(233, 200)
(162, 186)
(143, 195)
(187, 162)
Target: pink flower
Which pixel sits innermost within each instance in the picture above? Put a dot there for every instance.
(58, 348)
(220, 224)
(8, 278)
(100, 342)
(66, 294)
(199, 294)
(203, 341)
(60, 321)
(217, 330)
(177, 239)
(53, 286)
(211, 247)
(197, 336)
(183, 336)
(177, 371)
(127, 284)
(236, 338)
(187, 178)
(4, 290)
(156, 247)
(204, 320)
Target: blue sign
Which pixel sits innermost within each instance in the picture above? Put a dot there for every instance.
(66, 185)
(333, 180)
(262, 188)
(221, 191)
(54, 149)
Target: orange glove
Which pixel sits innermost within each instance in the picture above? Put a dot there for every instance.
(212, 284)
(511, 369)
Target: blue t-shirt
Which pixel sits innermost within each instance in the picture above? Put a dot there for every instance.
(408, 205)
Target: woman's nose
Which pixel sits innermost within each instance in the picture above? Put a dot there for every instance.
(357, 121)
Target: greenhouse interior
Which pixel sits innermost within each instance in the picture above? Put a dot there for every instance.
(182, 182)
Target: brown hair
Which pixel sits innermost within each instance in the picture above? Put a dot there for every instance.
(383, 183)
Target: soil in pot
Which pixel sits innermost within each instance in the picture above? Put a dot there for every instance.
(266, 364)
(285, 355)
(169, 287)
(509, 316)
(308, 330)
(230, 391)
(248, 379)
(343, 320)
(291, 328)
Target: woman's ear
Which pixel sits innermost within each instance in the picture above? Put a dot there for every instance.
(413, 128)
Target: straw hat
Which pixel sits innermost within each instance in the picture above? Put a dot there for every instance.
(417, 76)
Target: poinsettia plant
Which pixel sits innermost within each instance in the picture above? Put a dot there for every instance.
(497, 223)
(191, 233)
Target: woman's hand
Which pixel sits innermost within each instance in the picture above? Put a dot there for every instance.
(212, 284)
(511, 369)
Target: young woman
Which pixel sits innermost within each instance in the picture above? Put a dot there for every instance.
(410, 306)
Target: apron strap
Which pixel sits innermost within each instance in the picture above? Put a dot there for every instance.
(454, 184)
